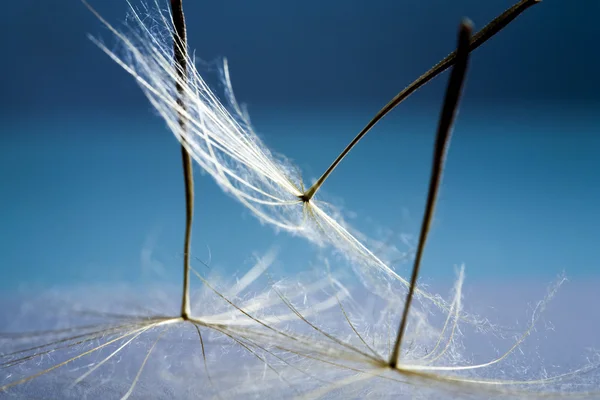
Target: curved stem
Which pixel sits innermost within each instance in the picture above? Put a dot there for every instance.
(486, 33)
(448, 113)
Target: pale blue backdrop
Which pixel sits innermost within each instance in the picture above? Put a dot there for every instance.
(91, 183)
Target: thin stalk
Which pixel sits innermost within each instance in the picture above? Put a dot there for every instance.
(488, 31)
(448, 113)
(180, 57)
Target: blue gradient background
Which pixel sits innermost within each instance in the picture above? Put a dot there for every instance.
(91, 178)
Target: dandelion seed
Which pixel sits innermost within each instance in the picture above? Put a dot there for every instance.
(221, 140)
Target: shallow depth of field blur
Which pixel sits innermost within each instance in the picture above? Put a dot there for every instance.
(92, 192)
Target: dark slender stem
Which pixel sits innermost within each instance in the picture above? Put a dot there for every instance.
(491, 29)
(180, 58)
(448, 113)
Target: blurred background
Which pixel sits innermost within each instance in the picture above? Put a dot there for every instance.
(92, 189)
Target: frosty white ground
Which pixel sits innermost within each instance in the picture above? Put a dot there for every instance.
(175, 368)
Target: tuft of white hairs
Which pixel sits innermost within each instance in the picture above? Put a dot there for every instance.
(220, 138)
